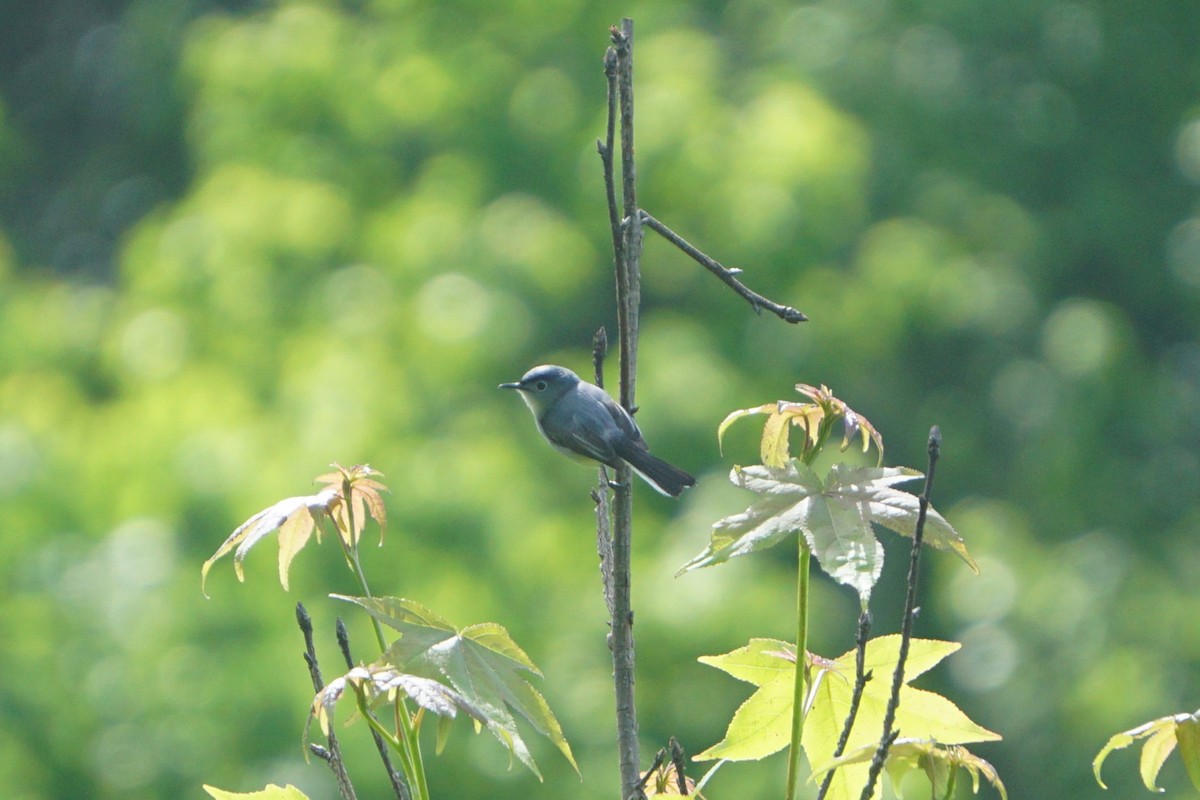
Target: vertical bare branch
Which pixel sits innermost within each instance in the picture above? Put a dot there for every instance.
(333, 754)
(631, 296)
(910, 606)
(627, 242)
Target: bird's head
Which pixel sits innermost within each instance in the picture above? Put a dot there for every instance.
(542, 386)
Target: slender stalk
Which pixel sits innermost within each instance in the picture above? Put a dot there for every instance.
(800, 691)
(803, 580)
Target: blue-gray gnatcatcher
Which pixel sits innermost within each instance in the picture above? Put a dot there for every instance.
(580, 419)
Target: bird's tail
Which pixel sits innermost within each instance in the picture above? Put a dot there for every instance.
(665, 478)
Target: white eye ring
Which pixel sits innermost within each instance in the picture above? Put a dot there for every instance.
(540, 386)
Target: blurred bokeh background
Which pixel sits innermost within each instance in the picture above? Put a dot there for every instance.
(239, 241)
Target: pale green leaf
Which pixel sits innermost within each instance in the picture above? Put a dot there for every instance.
(272, 792)
(792, 498)
(1154, 753)
(443, 734)
(383, 681)
(1187, 731)
(736, 415)
(758, 663)
(939, 762)
(1119, 741)
(774, 449)
(482, 662)
(894, 509)
(762, 725)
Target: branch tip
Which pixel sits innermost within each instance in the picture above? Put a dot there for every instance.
(304, 620)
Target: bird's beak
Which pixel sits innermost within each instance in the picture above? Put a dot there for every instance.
(509, 386)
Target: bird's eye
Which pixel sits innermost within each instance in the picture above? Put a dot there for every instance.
(540, 386)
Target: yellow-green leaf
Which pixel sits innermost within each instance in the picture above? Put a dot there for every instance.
(1161, 737)
(774, 449)
(1188, 733)
(272, 792)
(736, 415)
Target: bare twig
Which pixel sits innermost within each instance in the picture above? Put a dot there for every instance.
(679, 761)
(659, 757)
(333, 755)
(398, 785)
(910, 605)
(860, 682)
(727, 275)
(629, 295)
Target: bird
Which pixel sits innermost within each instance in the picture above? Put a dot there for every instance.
(580, 420)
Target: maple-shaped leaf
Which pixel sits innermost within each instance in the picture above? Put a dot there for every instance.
(357, 483)
(297, 518)
(762, 725)
(939, 762)
(272, 792)
(1161, 738)
(834, 515)
(481, 662)
(383, 681)
(816, 419)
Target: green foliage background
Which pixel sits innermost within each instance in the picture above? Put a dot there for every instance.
(241, 240)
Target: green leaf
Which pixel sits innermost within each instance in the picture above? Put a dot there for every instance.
(834, 515)
(1161, 737)
(481, 662)
(774, 449)
(1188, 733)
(272, 792)
(762, 725)
(736, 415)
(383, 680)
(939, 763)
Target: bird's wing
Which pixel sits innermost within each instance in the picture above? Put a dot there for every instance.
(620, 416)
(587, 435)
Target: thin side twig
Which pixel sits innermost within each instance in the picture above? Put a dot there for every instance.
(860, 683)
(727, 275)
(397, 780)
(910, 606)
(333, 754)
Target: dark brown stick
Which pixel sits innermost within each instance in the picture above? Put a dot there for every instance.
(333, 754)
(910, 607)
(727, 275)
